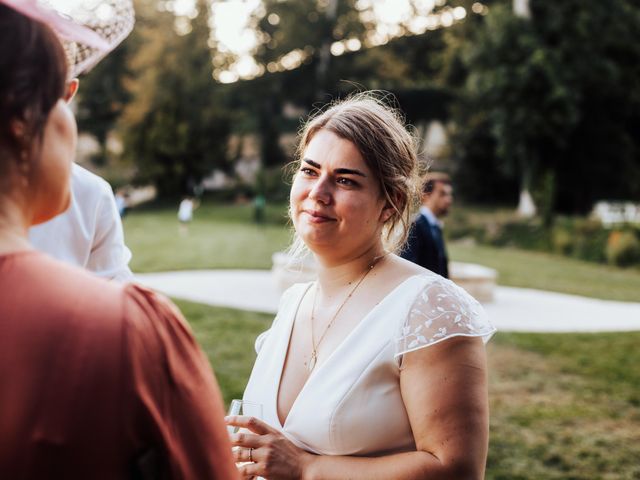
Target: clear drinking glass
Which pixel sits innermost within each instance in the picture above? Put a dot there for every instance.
(242, 407)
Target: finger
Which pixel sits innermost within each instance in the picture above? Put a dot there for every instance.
(246, 440)
(250, 423)
(244, 454)
(249, 470)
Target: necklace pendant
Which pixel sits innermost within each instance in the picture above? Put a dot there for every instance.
(312, 361)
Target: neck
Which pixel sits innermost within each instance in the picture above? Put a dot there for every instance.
(334, 276)
(430, 208)
(14, 229)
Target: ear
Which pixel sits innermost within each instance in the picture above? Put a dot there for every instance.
(387, 213)
(72, 89)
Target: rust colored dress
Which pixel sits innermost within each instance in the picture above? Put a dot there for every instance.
(101, 381)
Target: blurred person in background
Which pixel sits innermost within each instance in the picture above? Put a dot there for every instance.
(89, 234)
(185, 213)
(97, 379)
(425, 245)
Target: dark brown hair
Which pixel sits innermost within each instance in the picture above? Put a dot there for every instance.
(431, 178)
(33, 75)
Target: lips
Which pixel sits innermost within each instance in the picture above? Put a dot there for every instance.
(316, 216)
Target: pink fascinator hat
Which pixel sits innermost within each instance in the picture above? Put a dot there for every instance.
(88, 29)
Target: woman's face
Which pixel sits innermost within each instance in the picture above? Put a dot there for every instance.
(51, 192)
(336, 204)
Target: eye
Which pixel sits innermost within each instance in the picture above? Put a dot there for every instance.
(347, 182)
(309, 172)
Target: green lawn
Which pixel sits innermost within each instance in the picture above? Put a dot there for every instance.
(227, 336)
(544, 271)
(562, 406)
(218, 237)
(225, 236)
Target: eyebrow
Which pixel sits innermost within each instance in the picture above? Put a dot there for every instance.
(343, 171)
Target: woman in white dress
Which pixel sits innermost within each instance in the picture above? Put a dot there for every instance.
(376, 370)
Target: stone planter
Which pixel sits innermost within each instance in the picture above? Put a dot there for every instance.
(478, 280)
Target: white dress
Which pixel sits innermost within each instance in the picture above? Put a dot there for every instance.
(351, 403)
(185, 210)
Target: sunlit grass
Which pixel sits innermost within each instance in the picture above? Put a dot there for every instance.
(544, 271)
(220, 236)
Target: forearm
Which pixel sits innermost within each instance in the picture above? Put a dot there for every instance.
(402, 466)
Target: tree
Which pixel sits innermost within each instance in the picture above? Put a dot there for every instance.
(176, 128)
(547, 90)
(599, 49)
(103, 96)
(308, 27)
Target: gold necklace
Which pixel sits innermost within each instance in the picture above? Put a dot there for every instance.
(314, 346)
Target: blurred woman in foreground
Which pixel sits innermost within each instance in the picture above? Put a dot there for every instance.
(97, 380)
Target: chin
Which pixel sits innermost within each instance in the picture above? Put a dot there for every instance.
(320, 245)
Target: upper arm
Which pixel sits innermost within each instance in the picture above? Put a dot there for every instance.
(109, 255)
(179, 406)
(443, 376)
(444, 388)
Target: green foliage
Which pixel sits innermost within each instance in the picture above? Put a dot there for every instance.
(176, 128)
(602, 156)
(551, 103)
(530, 235)
(546, 271)
(102, 96)
(589, 239)
(576, 237)
(556, 104)
(561, 241)
(275, 184)
(623, 248)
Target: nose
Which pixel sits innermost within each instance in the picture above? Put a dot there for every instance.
(321, 191)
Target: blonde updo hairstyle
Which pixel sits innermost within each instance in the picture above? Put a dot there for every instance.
(389, 149)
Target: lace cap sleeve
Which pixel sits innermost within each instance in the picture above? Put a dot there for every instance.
(442, 310)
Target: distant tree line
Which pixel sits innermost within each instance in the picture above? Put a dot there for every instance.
(550, 103)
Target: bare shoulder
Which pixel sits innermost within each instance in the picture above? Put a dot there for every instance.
(391, 272)
(403, 269)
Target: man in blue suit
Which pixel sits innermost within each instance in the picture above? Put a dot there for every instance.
(425, 245)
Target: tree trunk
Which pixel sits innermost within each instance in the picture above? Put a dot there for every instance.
(325, 51)
(521, 8)
(526, 206)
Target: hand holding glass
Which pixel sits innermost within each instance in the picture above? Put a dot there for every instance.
(244, 408)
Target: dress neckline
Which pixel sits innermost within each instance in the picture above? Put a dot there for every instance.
(293, 313)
